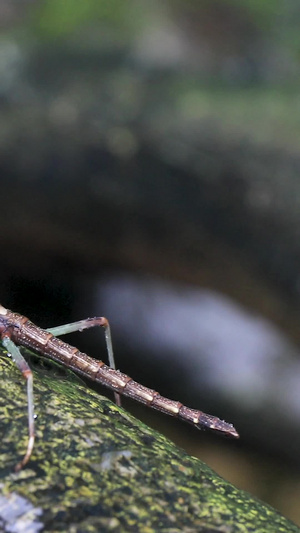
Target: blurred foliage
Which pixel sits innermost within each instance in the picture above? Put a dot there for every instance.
(263, 12)
(204, 114)
(54, 18)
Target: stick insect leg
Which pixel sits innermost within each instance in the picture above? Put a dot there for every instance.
(86, 324)
(22, 365)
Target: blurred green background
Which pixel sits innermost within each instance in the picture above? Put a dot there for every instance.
(149, 157)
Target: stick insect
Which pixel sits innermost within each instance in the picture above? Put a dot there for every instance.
(16, 329)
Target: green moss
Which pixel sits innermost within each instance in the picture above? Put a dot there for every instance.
(96, 468)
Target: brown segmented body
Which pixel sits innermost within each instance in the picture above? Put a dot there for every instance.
(24, 333)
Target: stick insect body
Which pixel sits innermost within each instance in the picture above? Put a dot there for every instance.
(16, 330)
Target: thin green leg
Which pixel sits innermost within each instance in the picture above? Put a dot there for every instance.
(22, 365)
(86, 324)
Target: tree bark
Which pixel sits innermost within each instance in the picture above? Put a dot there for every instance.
(96, 468)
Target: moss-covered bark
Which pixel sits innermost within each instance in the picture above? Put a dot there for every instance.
(96, 468)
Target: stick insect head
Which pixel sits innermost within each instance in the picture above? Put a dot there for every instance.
(3, 320)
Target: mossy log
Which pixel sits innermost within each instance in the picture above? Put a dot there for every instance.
(96, 468)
